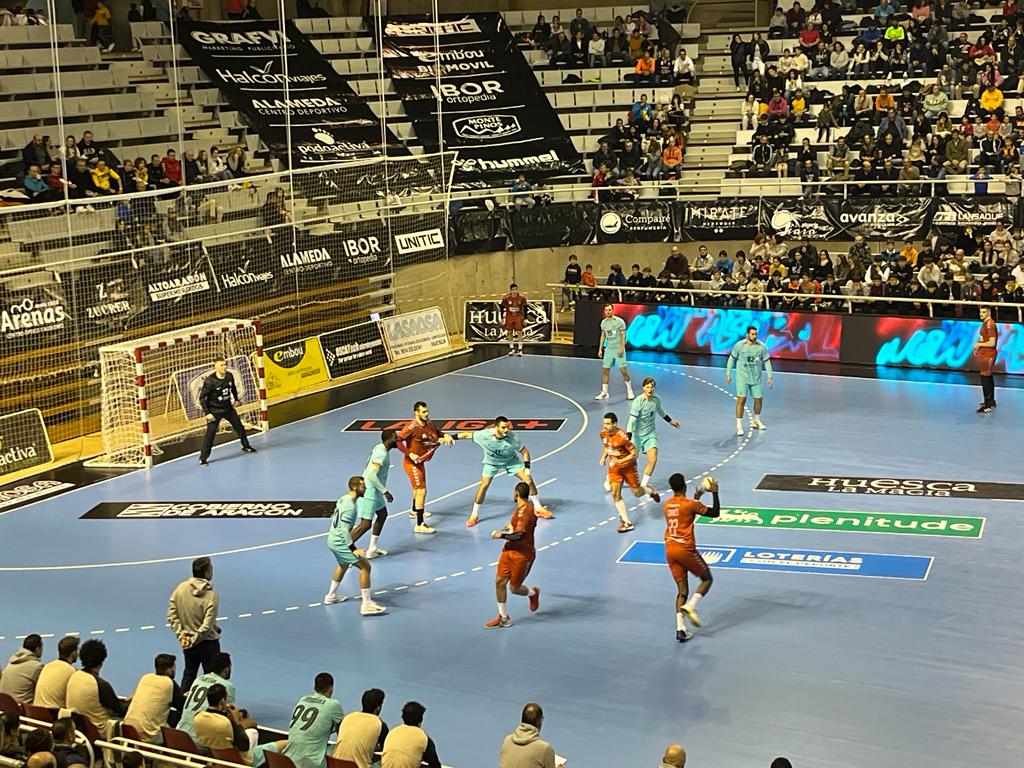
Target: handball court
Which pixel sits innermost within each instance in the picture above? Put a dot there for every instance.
(917, 666)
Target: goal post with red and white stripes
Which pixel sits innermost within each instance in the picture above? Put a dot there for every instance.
(150, 387)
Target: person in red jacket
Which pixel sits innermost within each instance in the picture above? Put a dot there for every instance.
(172, 167)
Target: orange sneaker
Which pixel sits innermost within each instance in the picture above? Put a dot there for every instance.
(543, 512)
(499, 622)
(535, 600)
(472, 521)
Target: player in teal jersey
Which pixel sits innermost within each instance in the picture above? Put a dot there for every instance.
(503, 452)
(373, 504)
(640, 427)
(611, 348)
(195, 700)
(339, 541)
(751, 359)
(315, 717)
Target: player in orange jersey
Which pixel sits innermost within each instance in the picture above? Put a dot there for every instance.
(620, 454)
(985, 351)
(517, 557)
(681, 549)
(513, 308)
(418, 440)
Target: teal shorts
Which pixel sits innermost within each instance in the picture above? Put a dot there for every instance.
(754, 389)
(490, 470)
(344, 556)
(613, 357)
(646, 442)
(366, 506)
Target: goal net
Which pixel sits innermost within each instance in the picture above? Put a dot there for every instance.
(150, 387)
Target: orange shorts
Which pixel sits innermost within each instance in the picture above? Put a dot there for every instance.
(987, 358)
(417, 473)
(515, 566)
(625, 474)
(681, 559)
(513, 322)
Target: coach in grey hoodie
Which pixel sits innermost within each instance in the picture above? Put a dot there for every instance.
(192, 614)
(19, 678)
(524, 748)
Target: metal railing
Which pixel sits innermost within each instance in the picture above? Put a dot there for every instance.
(764, 299)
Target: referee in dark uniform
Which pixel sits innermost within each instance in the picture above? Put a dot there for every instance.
(216, 398)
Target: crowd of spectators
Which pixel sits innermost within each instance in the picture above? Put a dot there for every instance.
(905, 133)
(77, 700)
(967, 268)
(83, 169)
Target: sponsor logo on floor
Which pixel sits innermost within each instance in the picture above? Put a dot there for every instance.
(860, 522)
(890, 486)
(912, 567)
(533, 424)
(195, 510)
(16, 495)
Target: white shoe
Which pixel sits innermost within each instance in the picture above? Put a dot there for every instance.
(372, 609)
(629, 394)
(412, 515)
(607, 485)
(691, 614)
(759, 424)
(739, 430)
(372, 553)
(601, 396)
(423, 529)
(511, 353)
(109, 48)
(333, 598)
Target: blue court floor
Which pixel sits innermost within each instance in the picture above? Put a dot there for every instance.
(829, 669)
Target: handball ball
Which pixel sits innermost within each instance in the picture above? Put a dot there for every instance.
(709, 483)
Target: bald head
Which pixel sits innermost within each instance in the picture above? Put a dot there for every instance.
(675, 756)
(42, 760)
(533, 715)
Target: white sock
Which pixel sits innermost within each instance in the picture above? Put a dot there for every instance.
(334, 587)
(520, 346)
(645, 480)
(373, 541)
(531, 591)
(679, 620)
(620, 505)
(604, 389)
(535, 500)
(694, 599)
(629, 388)
(739, 423)
(757, 418)
(476, 510)
(365, 593)
(502, 610)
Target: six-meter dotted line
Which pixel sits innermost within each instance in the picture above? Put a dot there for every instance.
(445, 577)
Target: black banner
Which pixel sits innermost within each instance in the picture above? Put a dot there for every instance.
(359, 249)
(951, 215)
(888, 486)
(643, 221)
(550, 226)
(198, 510)
(484, 321)
(23, 441)
(480, 231)
(329, 122)
(493, 110)
(799, 219)
(462, 424)
(34, 318)
(724, 219)
(887, 218)
(357, 348)
(105, 297)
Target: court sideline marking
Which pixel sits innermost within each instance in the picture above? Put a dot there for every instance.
(478, 568)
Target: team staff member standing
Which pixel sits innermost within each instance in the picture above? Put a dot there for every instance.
(985, 350)
(192, 614)
(216, 398)
(751, 358)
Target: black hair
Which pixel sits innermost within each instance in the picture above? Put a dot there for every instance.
(67, 646)
(387, 434)
(92, 654)
(163, 662)
(373, 699)
(33, 643)
(220, 662)
(417, 405)
(523, 490)
(323, 681)
(500, 420)
(200, 566)
(677, 483)
(215, 694)
(612, 417)
(63, 729)
(412, 713)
